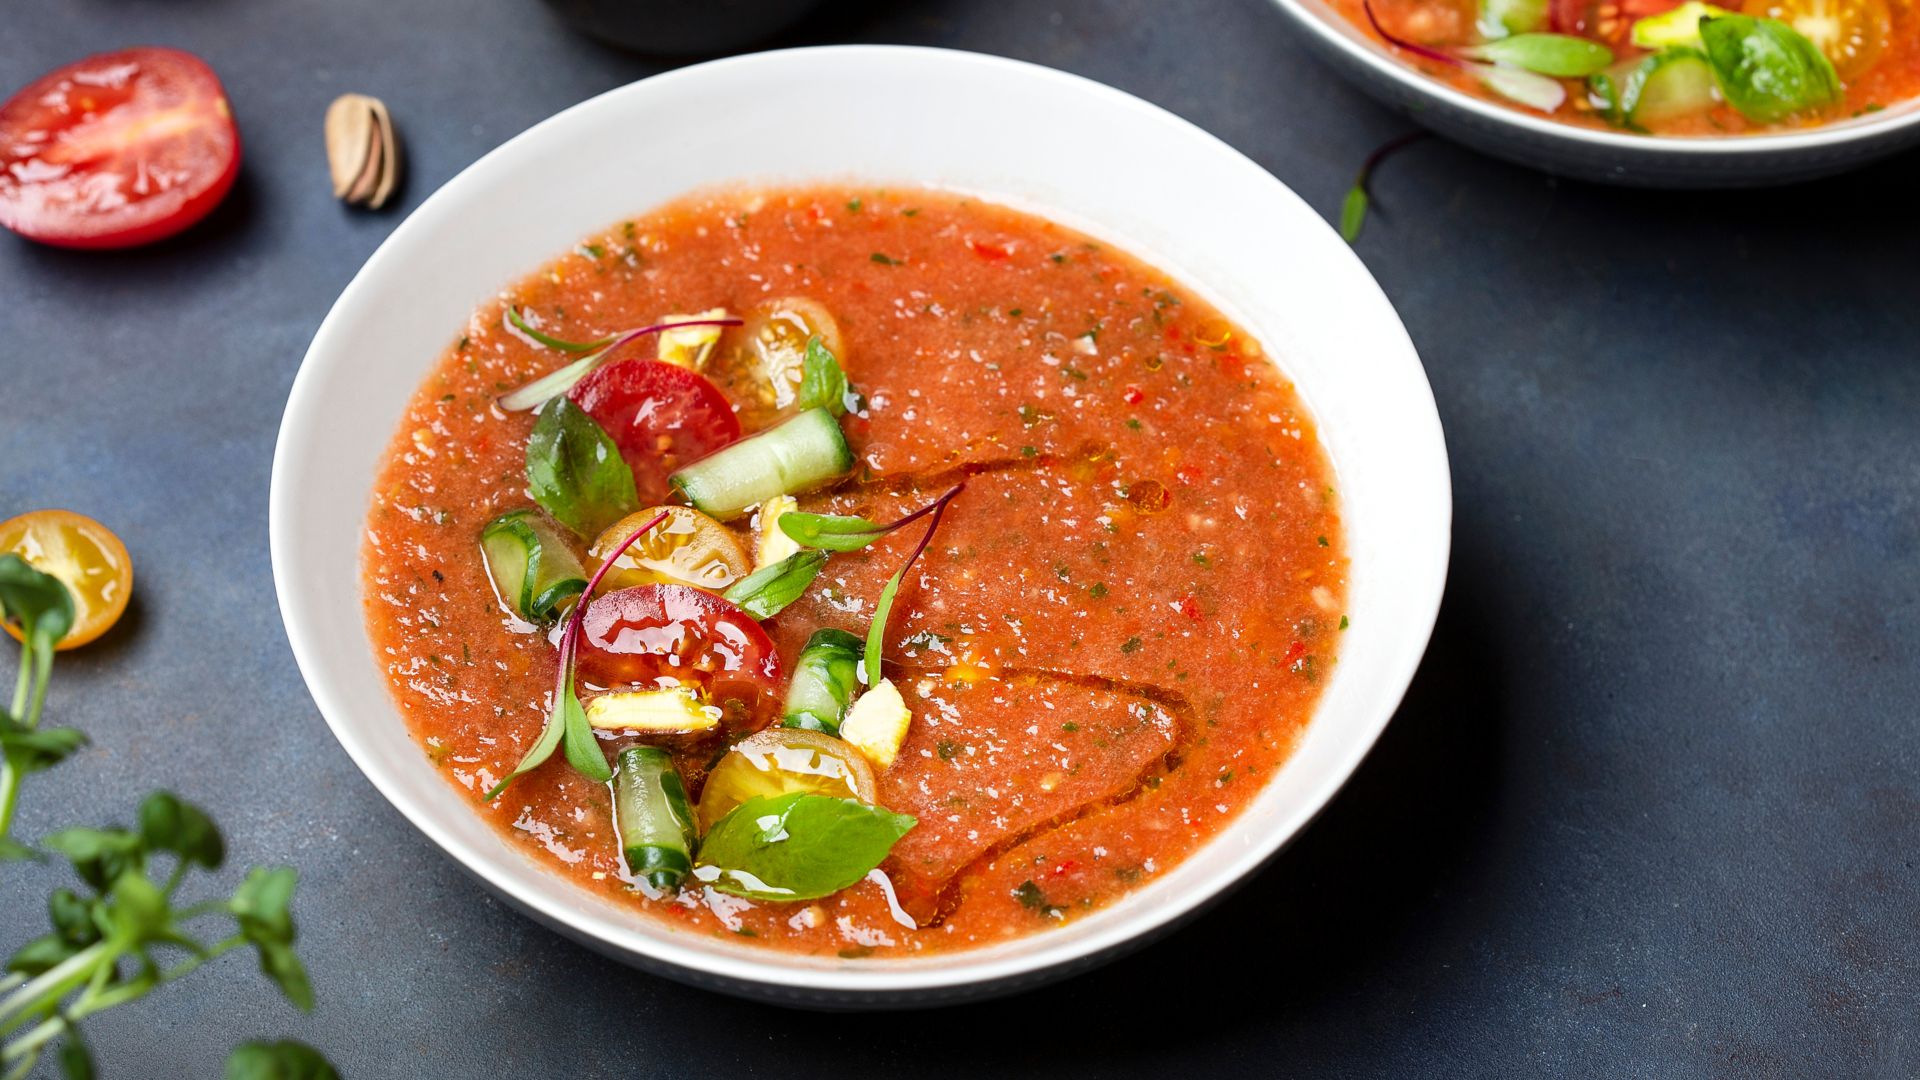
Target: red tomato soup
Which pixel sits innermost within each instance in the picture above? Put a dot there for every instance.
(1117, 631)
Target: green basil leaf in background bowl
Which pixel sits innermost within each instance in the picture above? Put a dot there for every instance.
(575, 471)
(768, 590)
(1766, 69)
(797, 846)
(1559, 55)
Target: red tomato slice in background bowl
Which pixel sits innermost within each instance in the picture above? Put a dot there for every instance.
(116, 150)
(660, 416)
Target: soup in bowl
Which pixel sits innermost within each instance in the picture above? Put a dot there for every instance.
(881, 579)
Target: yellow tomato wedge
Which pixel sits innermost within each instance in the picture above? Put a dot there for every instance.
(1853, 33)
(780, 761)
(87, 558)
(689, 548)
(776, 336)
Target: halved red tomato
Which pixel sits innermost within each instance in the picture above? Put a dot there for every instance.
(640, 634)
(119, 149)
(659, 415)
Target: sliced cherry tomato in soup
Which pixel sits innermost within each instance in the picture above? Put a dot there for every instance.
(119, 149)
(1853, 33)
(689, 548)
(781, 761)
(87, 558)
(650, 632)
(764, 362)
(659, 415)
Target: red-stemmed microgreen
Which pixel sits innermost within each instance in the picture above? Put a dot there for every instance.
(1353, 210)
(557, 382)
(837, 532)
(877, 632)
(567, 722)
(1526, 87)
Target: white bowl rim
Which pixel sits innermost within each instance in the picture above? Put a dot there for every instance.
(904, 974)
(1349, 39)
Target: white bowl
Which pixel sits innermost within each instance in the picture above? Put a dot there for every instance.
(1612, 157)
(1081, 153)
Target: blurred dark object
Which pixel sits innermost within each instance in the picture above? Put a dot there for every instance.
(682, 27)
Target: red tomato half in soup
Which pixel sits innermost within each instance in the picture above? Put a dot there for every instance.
(119, 149)
(639, 634)
(660, 416)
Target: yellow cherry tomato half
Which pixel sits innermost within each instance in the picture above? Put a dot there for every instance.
(1853, 33)
(776, 334)
(87, 558)
(780, 761)
(689, 548)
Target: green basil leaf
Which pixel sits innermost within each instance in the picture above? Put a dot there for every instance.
(822, 384)
(1765, 69)
(98, 855)
(830, 532)
(169, 824)
(282, 1060)
(543, 747)
(72, 918)
(1559, 55)
(797, 846)
(1499, 18)
(583, 750)
(877, 630)
(38, 602)
(14, 851)
(765, 592)
(575, 471)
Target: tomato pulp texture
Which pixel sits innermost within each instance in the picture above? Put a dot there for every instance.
(1116, 637)
(119, 149)
(1874, 46)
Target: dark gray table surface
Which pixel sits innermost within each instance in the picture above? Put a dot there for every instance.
(1651, 809)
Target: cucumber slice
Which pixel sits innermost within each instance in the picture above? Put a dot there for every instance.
(1668, 85)
(799, 455)
(534, 571)
(1498, 18)
(824, 680)
(655, 821)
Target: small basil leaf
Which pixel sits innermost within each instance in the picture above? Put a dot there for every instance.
(822, 384)
(72, 918)
(830, 532)
(1765, 69)
(765, 592)
(583, 750)
(575, 471)
(797, 846)
(98, 855)
(14, 851)
(168, 824)
(39, 602)
(1559, 55)
(877, 630)
(283, 1060)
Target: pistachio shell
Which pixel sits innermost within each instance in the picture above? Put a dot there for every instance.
(363, 153)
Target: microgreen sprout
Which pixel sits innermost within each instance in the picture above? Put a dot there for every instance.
(559, 381)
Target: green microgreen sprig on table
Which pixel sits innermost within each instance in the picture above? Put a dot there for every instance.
(600, 350)
(567, 720)
(43, 609)
(130, 934)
